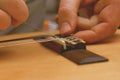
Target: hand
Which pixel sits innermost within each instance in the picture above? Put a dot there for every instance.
(12, 12)
(104, 18)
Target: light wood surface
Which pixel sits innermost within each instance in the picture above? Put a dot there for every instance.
(35, 62)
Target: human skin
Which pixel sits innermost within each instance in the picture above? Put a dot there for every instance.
(108, 16)
(12, 12)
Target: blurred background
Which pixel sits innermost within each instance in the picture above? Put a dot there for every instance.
(51, 10)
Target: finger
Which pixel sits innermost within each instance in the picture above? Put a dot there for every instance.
(98, 33)
(17, 10)
(68, 16)
(67, 22)
(85, 23)
(100, 5)
(87, 2)
(70, 4)
(5, 20)
(110, 14)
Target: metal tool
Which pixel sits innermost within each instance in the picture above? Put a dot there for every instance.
(17, 41)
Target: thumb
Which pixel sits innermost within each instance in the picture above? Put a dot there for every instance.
(67, 16)
(67, 21)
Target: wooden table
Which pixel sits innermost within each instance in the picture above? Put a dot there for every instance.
(35, 62)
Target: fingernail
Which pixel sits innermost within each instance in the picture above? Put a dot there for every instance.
(65, 28)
